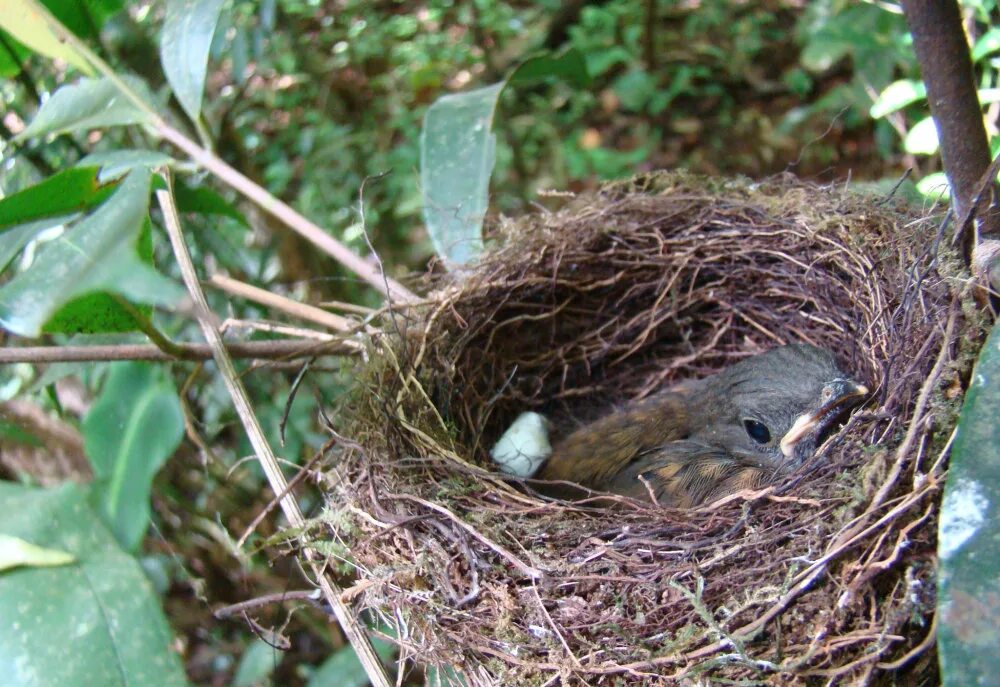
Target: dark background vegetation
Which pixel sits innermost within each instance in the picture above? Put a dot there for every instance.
(311, 97)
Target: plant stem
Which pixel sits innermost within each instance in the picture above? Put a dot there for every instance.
(253, 192)
(352, 627)
(946, 65)
(280, 349)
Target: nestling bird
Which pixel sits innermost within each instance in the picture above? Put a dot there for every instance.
(699, 440)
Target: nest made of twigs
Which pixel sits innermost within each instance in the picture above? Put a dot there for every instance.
(828, 573)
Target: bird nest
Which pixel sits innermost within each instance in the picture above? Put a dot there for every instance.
(826, 573)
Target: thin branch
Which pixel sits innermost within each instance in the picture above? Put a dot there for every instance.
(942, 50)
(292, 483)
(256, 294)
(210, 161)
(347, 307)
(260, 350)
(274, 328)
(352, 627)
(286, 214)
(311, 596)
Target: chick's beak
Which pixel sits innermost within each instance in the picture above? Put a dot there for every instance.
(837, 396)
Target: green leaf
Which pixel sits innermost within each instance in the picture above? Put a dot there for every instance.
(116, 163)
(256, 664)
(821, 53)
(87, 104)
(186, 39)
(130, 431)
(17, 434)
(24, 21)
(935, 187)
(72, 190)
(600, 62)
(343, 669)
(204, 201)
(97, 254)
(987, 44)
(896, 96)
(92, 622)
(457, 154)
(94, 313)
(968, 545)
(634, 89)
(922, 139)
(569, 66)
(15, 552)
(14, 239)
(85, 19)
(12, 55)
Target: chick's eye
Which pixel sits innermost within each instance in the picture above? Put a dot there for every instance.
(757, 431)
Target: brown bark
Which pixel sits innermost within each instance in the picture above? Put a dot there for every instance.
(943, 53)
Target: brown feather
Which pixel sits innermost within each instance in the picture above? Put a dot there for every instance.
(594, 454)
(692, 444)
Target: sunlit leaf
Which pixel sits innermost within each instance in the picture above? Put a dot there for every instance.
(85, 19)
(988, 96)
(87, 104)
(15, 552)
(935, 187)
(968, 548)
(97, 254)
(184, 45)
(129, 432)
(95, 621)
(28, 23)
(896, 96)
(987, 44)
(922, 139)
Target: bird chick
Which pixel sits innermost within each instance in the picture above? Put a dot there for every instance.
(699, 440)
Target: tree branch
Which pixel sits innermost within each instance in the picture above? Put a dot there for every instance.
(349, 622)
(943, 53)
(260, 350)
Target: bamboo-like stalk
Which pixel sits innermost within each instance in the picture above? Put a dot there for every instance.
(352, 627)
(257, 350)
(291, 307)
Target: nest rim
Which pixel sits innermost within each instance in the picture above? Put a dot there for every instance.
(474, 569)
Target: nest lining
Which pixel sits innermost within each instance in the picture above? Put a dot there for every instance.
(826, 574)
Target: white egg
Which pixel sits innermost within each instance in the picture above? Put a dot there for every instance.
(524, 446)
